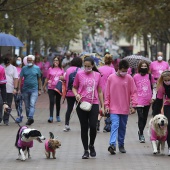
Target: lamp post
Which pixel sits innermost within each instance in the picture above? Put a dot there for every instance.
(6, 23)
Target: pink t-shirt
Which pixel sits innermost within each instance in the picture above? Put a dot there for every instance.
(68, 72)
(3, 79)
(129, 71)
(157, 68)
(47, 147)
(84, 82)
(53, 75)
(40, 65)
(154, 137)
(45, 67)
(21, 143)
(161, 94)
(19, 71)
(120, 91)
(105, 71)
(144, 91)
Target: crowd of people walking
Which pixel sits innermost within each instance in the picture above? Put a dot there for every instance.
(94, 92)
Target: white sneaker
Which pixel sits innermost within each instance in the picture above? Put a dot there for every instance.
(168, 151)
(66, 129)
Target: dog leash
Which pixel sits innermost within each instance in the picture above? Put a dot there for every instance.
(8, 111)
(75, 107)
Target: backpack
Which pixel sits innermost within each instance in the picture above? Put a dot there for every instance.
(71, 79)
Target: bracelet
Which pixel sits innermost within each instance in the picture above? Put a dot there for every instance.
(76, 95)
(5, 103)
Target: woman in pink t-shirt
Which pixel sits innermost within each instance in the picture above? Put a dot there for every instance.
(144, 83)
(45, 67)
(38, 62)
(163, 96)
(3, 99)
(76, 64)
(55, 73)
(105, 71)
(87, 87)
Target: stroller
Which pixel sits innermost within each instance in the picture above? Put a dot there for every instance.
(107, 127)
(18, 104)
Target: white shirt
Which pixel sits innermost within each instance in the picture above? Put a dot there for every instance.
(11, 74)
(65, 60)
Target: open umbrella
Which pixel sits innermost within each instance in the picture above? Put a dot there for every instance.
(10, 40)
(134, 60)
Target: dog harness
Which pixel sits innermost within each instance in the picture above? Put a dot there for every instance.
(21, 143)
(47, 148)
(154, 137)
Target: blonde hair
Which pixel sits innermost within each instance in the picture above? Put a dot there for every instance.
(108, 59)
(160, 80)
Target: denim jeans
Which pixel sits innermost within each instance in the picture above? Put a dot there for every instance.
(30, 99)
(118, 127)
(18, 103)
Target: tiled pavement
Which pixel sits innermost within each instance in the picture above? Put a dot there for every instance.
(138, 156)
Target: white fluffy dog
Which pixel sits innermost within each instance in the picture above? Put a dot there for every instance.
(158, 133)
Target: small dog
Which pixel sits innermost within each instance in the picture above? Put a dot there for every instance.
(24, 141)
(158, 133)
(51, 145)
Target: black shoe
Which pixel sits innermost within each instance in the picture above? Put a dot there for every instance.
(98, 125)
(122, 149)
(86, 155)
(112, 149)
(92, 151)
(30, 121)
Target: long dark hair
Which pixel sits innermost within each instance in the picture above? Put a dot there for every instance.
(90, 59)
(59, 65)
(140, 65)
(77, 62)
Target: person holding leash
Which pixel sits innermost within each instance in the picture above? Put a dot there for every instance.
(87, 90)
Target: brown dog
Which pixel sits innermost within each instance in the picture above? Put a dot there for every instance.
(51, 145)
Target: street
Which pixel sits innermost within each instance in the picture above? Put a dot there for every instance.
(138, 157)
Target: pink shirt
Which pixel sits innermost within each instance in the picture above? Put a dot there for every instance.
(68, 72)
(45, 67)
(161, 94)
(84, 82)
(144, 91)
(105, 71)
(53, 75)
(40, 65)
(19, 71)
(47, 147)
(120, 91)
(3, 79)
(157, 68)
(21, 143)
(154, 137)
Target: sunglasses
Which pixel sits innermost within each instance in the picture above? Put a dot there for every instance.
(55, 60)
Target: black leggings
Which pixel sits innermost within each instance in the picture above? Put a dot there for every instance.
(88, 119)
(52, 94)
(70, 105)
(142, 117)
(167, 114)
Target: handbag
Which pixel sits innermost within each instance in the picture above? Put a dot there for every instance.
(86, 106)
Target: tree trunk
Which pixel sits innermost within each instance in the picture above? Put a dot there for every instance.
(145, 42)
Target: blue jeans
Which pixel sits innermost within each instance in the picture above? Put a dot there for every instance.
(118, 129)
(30, 99)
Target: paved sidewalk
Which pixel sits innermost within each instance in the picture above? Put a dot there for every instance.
(138, 157)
